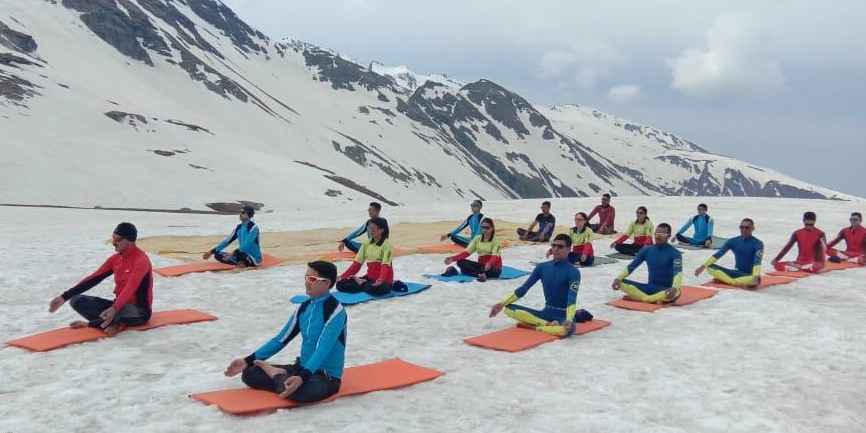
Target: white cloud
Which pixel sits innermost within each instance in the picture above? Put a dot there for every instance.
(624, 93)
(733, 61)
(583, 63)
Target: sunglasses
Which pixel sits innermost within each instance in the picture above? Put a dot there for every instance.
(312, 279)
(242, 212)
(558, 246)
(661, 234)
(745, 227)
(854, 220)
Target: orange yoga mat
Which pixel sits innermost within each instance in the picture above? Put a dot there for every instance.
(178, 270)
(793, 274)
(441, 248)
(766, 281)
(688, 295)
(66, 336)
(830, 266)
(518, 339)
(390, 374)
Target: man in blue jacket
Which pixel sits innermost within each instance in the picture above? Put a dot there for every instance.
(249, 251)
(321, 322)
(703, 229)
(473, 221)
(349, 242)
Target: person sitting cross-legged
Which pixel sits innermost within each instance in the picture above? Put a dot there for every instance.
(321, 322)
(665, 266)
(748, 252)
(561, 282)
(488, 247)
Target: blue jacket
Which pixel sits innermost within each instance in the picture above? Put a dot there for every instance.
(703, 226)
(321, 322)
(664, 264)
(474, 223)
(748, 253)
(359, 231)
(247, 234)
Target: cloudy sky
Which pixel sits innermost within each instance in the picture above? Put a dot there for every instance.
(777, 83)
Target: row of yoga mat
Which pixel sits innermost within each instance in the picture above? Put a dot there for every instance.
(388, 374)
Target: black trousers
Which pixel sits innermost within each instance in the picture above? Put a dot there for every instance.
(630, 249)
(318, 387)
(575, 258)
(350, 286)
(533, 236)
(90, 307)
(473, 268)
(235, 258)
(352, 246)
(597, 227)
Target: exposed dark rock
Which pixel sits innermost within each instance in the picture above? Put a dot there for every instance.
(223, 18)
(163, 152)
(188, 126)
(333, 192)
(121, 30)
(16, 90)
(120, 117)
(504, 106)
(16, 41)
(343, 74)
(185, 28)
(308, 164)
(13, 60)
(737, 184)
(199, 167)
(234, 207)
(360, 188)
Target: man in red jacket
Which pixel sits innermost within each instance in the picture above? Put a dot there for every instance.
(606, 215)
(133, 287)
(811, 248)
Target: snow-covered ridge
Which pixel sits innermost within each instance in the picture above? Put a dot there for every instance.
(411, 80)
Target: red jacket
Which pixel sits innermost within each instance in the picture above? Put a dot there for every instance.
(133, 279)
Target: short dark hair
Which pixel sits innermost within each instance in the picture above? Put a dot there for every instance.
(325, 270)
(749, 220)
(545, 203)
(382, 223)
(857, 214)
(126, 231)
(375, 205)
(809, 216)
(563, 237)
(664, 226)
(702, 206)
(606, 195)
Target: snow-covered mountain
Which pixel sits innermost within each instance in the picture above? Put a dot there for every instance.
(178, 103)
(412, 80)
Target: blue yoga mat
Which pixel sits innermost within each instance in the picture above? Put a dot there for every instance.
(357, 298)
(507, 274)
